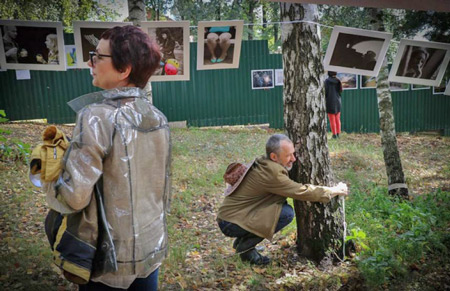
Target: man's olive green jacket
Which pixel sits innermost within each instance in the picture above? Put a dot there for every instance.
(256, 203)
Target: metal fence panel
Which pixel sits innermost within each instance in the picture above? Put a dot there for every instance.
(219, 97)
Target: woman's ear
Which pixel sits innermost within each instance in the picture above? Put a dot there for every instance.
(125, 73)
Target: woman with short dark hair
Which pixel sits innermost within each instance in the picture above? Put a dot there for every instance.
(121, 145)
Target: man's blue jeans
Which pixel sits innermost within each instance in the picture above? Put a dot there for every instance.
(148, 284)
(234, 230)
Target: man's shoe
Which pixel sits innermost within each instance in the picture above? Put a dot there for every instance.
(248, 243)
(236, 242)
(253, 257)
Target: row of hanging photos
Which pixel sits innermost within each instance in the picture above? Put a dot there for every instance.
(36, 45)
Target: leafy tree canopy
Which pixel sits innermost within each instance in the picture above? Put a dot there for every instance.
(56, 10)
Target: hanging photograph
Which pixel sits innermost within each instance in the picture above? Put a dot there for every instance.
(368, 82)
(349, 81)
(262, 79)
(71, 56)
(419, 87)
(420, 62)
(395, 86)
(356, 51)
(172, 38)
(279, 77)
(219, 44)
(87, 35)
(437, 90)
(32, 45)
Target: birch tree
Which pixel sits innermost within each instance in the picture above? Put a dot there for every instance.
(394, 170)
(136, 11)
(319, 226)
(136, 14)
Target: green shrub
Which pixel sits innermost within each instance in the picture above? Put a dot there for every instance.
(12, 150)
(391, 234)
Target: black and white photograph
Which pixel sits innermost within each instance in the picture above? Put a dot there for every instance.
(368, 82)
(262, 79)
(87, 35)
(356, 51)
(348, 81)
(172, 38)
(279, 77)
(396, 86)
(32, 45)
(219, 44)
(420, 62)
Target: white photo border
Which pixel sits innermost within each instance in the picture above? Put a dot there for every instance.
(66, 48)
(447, 89)
(399, 90)
(277, 71)
(145, 25)
(356, 80)
(420, 88)
(361, 83)
(77, 25)
(262, 70)
(419, 81)
(239, 24)
(38, 67)
(437, 93)
(361, 32)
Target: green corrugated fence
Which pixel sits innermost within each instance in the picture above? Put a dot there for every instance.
(219, 97)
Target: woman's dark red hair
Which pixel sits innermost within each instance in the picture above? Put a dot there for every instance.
(129, 45)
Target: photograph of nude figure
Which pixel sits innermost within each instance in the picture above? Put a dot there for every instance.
(219, 44)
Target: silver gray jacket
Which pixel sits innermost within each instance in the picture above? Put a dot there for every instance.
(124, 139)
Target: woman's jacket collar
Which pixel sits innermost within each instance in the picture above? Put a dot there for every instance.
(117, 93)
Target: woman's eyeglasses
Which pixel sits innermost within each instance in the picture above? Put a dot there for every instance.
(94, 56)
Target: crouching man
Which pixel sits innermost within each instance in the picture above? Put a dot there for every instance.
(255, 204)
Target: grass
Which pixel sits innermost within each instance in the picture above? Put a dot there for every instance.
(401, 245)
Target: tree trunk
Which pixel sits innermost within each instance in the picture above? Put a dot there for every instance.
(320, 226)
(136, 13)
(251, 17)
(394, 170)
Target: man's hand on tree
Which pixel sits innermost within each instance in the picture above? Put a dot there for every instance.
(339, 190)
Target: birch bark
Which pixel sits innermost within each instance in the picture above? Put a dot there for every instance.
(394, 170)
(319, 226)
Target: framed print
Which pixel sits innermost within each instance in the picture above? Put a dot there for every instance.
(71, 56)
(419, 87)
(173, 40)
(349, 81)
(262, 79)
(32, 45)
(437, 90)
(368, 82)
(420, 62)
(219, 44)
(395, 86)
(279, 77)
(87, 35)
(356, 51)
